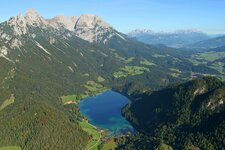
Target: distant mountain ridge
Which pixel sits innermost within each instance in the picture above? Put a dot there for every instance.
(208, 44)
(172, 39)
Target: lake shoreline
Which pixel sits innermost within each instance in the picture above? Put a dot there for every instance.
(95, 110)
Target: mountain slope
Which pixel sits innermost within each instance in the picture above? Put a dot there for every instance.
(38, 65)
(218, 49)
(208, 44)
(187, 114)
(37, 125)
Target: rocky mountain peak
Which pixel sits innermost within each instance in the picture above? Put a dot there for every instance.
(90, 21)
(63, 21)
(33, 18)
(92, 28)
(18, 23)
(89, 27)
(32, 13)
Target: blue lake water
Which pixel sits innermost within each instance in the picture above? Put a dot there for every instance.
(104, 111)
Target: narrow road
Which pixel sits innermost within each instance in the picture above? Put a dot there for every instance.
(98, 139)
(95, 143)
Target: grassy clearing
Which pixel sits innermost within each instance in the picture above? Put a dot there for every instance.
(109, 145)
(100, 79)
(222, 78)
(86, 75)
(176, 59)
(130, 70)
(73, 99)
(84, 95)
(158, 56)
(174, 72)
(94, 88)
(175, 75)
(10, 148)
(196, 62)
(7, 102)
(147, 63)
(218, 66)
(120, 74)
(69, 98)
(209, 56)
(95, 135)
(128, 60)
(163, 146)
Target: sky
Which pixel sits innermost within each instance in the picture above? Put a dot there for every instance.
(125, 15)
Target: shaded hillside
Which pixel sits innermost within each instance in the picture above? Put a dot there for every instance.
(218, 49)
(183, 115)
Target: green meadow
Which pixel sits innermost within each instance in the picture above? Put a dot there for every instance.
(94, 133)
(211, 56)
(92, 88)
(130, 70)
(7, 102)
(10, 148)
(147, 63)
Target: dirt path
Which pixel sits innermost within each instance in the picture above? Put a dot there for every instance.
(95, 143)
(98, 139)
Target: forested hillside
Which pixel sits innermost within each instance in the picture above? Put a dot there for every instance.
(182, 116)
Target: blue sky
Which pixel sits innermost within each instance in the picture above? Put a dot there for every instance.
(125, 15)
